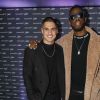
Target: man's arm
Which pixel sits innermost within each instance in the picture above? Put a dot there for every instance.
(28, 75)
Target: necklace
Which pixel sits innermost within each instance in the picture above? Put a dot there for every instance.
(79, 49)
(81, 37)
(47, 53)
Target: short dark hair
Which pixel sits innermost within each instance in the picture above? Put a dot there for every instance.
(80, 7)
(50, 19)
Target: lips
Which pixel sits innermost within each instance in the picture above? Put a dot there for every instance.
(77, 23)
(49, 36)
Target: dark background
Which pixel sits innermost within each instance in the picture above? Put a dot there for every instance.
(17, 26)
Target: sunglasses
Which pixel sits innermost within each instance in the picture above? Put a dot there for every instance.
(73, 17)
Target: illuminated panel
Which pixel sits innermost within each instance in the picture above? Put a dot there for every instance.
(47, 3)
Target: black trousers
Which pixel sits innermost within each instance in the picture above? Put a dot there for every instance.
(54, 96)
(76, 95)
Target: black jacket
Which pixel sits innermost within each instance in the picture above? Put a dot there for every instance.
(35, 72)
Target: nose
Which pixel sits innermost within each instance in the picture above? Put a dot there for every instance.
(49, 31)
(77, 18)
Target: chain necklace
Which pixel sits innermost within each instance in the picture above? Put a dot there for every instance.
(47, 53)
(79, 49)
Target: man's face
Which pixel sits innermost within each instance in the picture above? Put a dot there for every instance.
(77, 19)
(49, 31)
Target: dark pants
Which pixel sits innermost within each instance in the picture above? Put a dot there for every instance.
(54, 96)
(76, 95)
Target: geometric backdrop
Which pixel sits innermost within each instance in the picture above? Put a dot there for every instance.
(17, 27)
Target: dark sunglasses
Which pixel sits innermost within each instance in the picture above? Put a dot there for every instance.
(73, 17)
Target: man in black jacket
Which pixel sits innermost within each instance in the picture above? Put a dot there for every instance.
(43, 72)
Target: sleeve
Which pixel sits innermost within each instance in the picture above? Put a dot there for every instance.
(95, 91)
(28, 65)
(61, 72)
(63, 78)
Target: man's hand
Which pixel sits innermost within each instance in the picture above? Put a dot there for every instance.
(33, 44)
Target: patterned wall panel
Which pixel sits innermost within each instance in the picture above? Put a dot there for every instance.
(17, 27)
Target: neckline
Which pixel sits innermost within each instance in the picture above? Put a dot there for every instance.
(47, 45)
(81, 37)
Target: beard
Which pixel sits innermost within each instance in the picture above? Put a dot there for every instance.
(77, 29)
